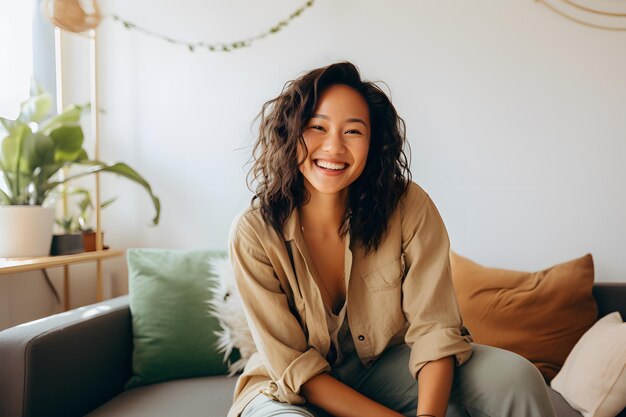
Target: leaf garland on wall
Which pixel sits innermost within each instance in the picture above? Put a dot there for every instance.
(217, 46)
(585, 15)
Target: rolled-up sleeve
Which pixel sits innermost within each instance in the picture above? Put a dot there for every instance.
(428, 297)
(278, 336)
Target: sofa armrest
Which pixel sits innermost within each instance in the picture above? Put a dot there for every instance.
(66, 364)
(610, 296)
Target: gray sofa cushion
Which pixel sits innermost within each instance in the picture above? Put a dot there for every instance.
(209, 396)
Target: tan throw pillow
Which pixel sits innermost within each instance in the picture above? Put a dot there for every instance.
(593, 378)
(538, 315)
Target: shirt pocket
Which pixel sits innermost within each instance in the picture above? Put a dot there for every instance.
(387, 276)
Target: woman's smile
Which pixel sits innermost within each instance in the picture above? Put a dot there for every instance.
(337, 139)
(330, 167)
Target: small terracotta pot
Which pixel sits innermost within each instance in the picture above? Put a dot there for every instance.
(89, 241)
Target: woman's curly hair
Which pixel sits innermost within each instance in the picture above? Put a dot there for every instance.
(280, 189)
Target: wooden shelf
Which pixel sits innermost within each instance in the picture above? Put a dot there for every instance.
(14, 265)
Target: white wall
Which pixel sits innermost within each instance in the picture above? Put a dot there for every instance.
(516, 117)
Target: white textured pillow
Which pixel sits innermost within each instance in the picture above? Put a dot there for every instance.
(593, 377)
(225, 305)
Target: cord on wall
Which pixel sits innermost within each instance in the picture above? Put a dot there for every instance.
(585, 12)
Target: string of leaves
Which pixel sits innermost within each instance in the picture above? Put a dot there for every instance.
(218, 46)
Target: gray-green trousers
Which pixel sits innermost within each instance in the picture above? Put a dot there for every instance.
(493, 383)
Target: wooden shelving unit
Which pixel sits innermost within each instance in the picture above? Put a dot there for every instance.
(18, 265)
(15, 265)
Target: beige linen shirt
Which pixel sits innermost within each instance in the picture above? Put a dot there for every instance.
(400, 293)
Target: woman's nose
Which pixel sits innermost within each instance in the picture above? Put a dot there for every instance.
(333, 143)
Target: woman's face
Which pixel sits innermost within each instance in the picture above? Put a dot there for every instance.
(337, 138)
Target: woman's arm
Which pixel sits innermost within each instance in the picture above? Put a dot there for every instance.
(429, 303)
(428, 298)
(434, 385)
(340, 400)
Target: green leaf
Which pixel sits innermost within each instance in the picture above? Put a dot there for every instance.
(7, 126)
(38, 150)
(85, 201)
(82, 156)
(49, 170)
(119, 169)
(69, 116)
(4, 198)
(35, 88)
(68, 143)
(35, 108)
(12, 146)
(85, 204)
(67, 223)
(108, 202)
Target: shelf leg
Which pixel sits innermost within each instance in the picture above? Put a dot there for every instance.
(99, 284)
(66, 287)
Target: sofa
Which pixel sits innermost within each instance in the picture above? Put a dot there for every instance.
(77, 363)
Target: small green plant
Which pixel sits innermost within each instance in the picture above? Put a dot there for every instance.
(35, 147)
(80, 222)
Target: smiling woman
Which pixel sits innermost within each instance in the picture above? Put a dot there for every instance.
(342, 266)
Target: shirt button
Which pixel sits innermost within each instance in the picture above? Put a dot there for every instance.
(361, 338)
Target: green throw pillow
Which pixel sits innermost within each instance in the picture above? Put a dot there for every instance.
(173, 332)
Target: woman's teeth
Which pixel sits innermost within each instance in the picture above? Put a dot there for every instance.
(330, 165)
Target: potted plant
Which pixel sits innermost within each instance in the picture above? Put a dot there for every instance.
(78, 234)
(34, 149)
(68, 242)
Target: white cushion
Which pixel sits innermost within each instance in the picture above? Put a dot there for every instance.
(593, 377)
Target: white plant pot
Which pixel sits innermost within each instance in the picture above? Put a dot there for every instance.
(25, 231)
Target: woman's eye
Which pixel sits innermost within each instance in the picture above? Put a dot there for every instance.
(317, 127)
(353, 132)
